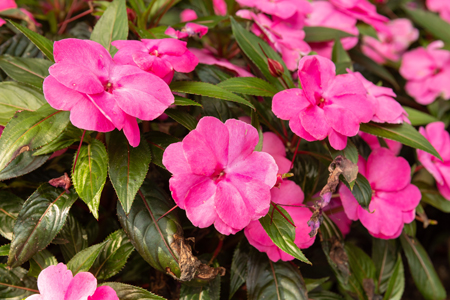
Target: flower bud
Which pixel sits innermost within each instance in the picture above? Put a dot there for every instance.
(275, 68)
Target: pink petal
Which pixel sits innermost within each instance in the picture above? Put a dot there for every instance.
(35, 296)
(184, 63)
(224, 228)
(337, 140)
(289, 193)
(199, 154)
(314, 122)
(284, 164)
(107, 105)
(76, 77)
(82, 285)
(242, 140)
(345, 84)
(131, 130)
(217, 136)
(315, 74)
(297, 127)
(439, 138)
(188, 15)
(3, 22)
(175, 160)
(406, 199)
(259, 165)
(86, 115)
(301, 216)
(104, 293)
(54, 281)
(59, 96)
(257, 236)
(287, 104)
(383, 217)
(230, 206)
(349, 202)
(180, 185)
(341, 119)
(199, 204)
(359, 105)
(273, 145)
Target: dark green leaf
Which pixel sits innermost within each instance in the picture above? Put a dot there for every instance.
(72, 238)
(239, 269)
(350, 152)
(366, 29)
(30, 130)
(269, 280)
(69, 136)
(15, 96)
(129, 292)
(362, 191)
(431, 22)
(112, 26)
(362, 269)
(216, 108)
(249, 86)
(282, 233)
(422, 270)
(251, 46)
(433, 197)
(83, 260)
(40, 261)
(90, 173)
(257, 125)
(152, 240)
(311, 284)
(384, 255)
(182, 117)
(26, 70)
(340, 57)
(207, 89)
(211, 74)
(41, 218)
(4, 250)
(404, 133)
(322, 34)
(158, 142)
(324, 295)
(419, 118)
(113, 256)
(396, 284)
(128, 167)
(180, 101)
(210, 291)
(15, 284)
(45, 45)
(23, 164)
(10, 206)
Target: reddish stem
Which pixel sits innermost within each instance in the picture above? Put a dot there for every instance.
(168, 212)
(216, 252)
(78, 151)
(287, 219)
(295, 153)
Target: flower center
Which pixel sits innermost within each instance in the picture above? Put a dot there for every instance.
(218, 175)
(154, 53)
(321, 103)
(109, 87)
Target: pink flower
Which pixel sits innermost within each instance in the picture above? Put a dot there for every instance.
(100, 94)
(392, 44)
(440, 6)
(189, 30)
(328, 105)
(58, 283)
(324, 14)
(5, 5)
(206, 57)
(362, 10)
(161, 57)
(220, 7)
(273, 145)
(283, 39)
(188, 15)
(394, 198)
(386, 109)
(218, 178)
(428, 73)
(436, 134)
(290, 197)
(374, 143)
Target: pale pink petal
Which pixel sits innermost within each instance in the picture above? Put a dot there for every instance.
(188, 15)
(242, 140)
(273, 145)
(54, 281)
(287, 104)
(314, 122)
(289, 193)
(199, 154)
(184, 63)
(258, 165)
(76, 77)
(284, 164)
(341, 119)
(217, 136)
(315, 74)
(180, 185)
(175, 160)
(86, 115)
(297, 128)
(82, 285)
(439, 138)
(59, 96)
(104, 293)
(359, 105)
(230, 206)
(257, 236)
(345, 84)
(35, 296)
(200, 204)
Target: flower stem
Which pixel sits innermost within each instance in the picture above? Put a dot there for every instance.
(287, 219)
(78, 151)
(168, 212)
(295, 153)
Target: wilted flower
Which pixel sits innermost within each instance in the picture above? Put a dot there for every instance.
(218, 178)
(328, 105)
(58, 283)
(436, 134)
(394, 198)
(161, 57)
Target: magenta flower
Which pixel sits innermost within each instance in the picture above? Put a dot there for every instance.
(328, 105)
(58, 283)
(100, 94)
(218, 178)
(206, 57)
(440, 6)
(5, 5)
(324, 14)
(189, 30)
(220, 7)
(436, 134)
(374, 143)
(428, 73)
(385, 108)
(394, 198)
(188, 15)
(392, 44)
(290, 197)
(161, 57)
(273, 145)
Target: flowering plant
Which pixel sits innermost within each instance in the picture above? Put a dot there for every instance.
(221, 149)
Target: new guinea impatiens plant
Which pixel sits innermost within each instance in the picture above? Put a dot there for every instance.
(219, 149)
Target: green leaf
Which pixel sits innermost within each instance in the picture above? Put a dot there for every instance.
(216, 108)
(15, 96)
(23, 164)
(180, 101)
(45, 45)
(83, 260)
(257, 125)
(384, 255)
(340, 57)
(362, 268)
(396, 284)
(249, 86)
(31, 71)
(15, 284)
(350, 152)
(433, 197)
(269, 280)
(282, 233)
(250, 44)
(150, 238)
(362, 191)
(207, 89)
(311, 284)
(324, 295)
(90, 173)
(159, 141)
(10, 206)
(4, 250)
(422, 270)
(128, 167)
(404, 133)
(72, 238)
(30, 130)
(210, 291)
(129, 292)
(41, 218)
(182, 117)
(40, 261)
(112, 26)
(418, 118)
(113, 256)
(239, 269)
(372, 66)
(366, 29)
(69, 136)
(322, 34)
(431, 22)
